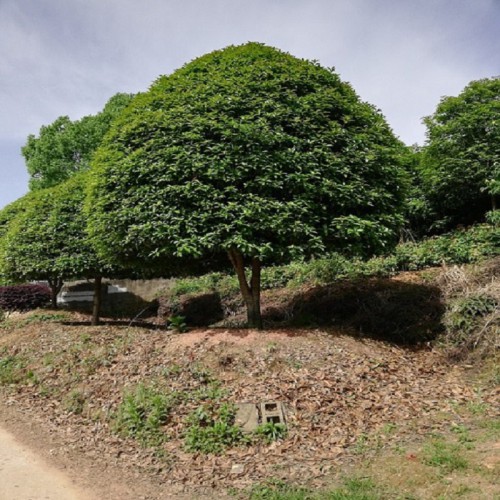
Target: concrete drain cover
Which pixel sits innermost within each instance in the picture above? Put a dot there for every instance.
(249, 416)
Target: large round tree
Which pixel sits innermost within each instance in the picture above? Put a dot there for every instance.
(461, 160)
(251, 152)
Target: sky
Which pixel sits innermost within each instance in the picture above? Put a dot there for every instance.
(68, 57)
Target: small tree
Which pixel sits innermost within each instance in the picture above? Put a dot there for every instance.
(65, 147)
(461, 160)
(49, 241)
(251, 152)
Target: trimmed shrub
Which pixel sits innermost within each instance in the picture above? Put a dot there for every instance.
(23, 297)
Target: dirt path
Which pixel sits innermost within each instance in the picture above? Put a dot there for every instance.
(26, 476)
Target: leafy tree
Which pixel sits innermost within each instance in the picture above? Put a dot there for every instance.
(251, 152)
(461, 160)
(65, 147)
(48, 241)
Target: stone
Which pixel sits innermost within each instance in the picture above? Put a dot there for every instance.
(247, 417)
(237, 469)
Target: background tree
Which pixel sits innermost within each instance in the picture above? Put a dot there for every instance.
(461, 159)
(65, 147)
(48, 241)
(251, 152)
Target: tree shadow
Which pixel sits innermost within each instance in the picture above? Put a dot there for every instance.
(384, 309)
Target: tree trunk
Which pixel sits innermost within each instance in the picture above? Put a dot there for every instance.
(96, 307)
(493, 202)
(250, 292)
(55, 287)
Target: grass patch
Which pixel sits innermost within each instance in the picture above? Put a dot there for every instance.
(352, 489)
(447, 456)
(212, 430)
(142, 414)
(13, 371)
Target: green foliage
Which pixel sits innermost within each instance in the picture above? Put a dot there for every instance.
(177, 324)
(212, 430)
(271, 432)
(246, 148)
(457, 247)
(493, 217)
(142, 414)
(65, 147)
(460, 163)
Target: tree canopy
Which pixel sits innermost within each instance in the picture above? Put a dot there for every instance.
(65, 147)
(461, 159)
(248, 151)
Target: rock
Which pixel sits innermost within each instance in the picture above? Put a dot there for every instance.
(237, 469)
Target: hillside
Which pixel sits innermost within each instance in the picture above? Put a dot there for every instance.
(407, 420)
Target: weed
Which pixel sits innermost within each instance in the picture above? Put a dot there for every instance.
(272, 347)
(464, 312)
(74, 402)
(463, 434)
(357, 489)
(271, 432)
(212, 429)
(171, 371)
(177, 324)
(477, 407)
(275, 489)
(446, 456)
(44, 317)
(142, 413)
(201, 374)
(389, 428)
(361, 446)
(12, 370)
(492, 428)
(212, 391)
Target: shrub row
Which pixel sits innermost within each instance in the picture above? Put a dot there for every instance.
(458, 247)
(23, 297)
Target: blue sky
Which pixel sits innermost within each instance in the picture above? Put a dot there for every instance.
(68, 57)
